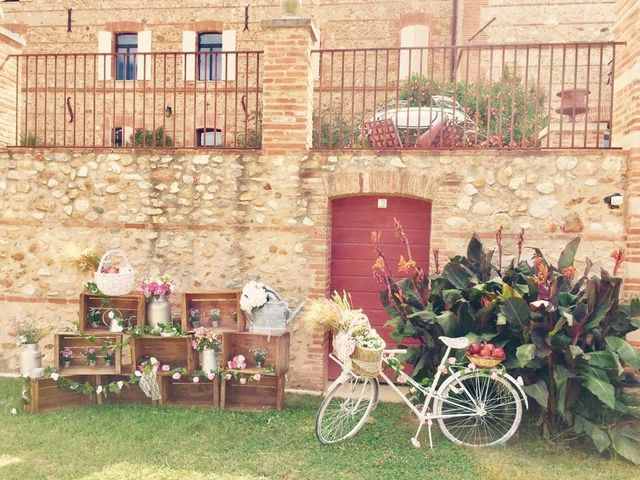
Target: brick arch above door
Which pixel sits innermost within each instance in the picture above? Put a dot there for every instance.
(405, 183)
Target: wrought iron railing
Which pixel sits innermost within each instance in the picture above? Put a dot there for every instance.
(139, 100)
(481, 96)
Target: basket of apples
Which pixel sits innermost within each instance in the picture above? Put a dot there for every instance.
(485, 355)
(114, 276)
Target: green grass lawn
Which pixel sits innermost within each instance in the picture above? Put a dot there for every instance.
(167, 443)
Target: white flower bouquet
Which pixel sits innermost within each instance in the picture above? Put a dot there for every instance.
(254, 295)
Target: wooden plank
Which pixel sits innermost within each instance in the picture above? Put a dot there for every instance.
(267, 394)
(130, 306)
(185, 392)
(47, 396)
(129, 394)
(78, 345)
(277, 347)
(173, 351)
(227, 301)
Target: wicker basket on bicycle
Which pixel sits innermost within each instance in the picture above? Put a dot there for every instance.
(366, 361)
(483, 362)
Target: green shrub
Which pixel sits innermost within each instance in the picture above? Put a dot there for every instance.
(152, 138)
(491, 104)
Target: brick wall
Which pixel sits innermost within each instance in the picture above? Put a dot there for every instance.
(10, 44)
(627, 129)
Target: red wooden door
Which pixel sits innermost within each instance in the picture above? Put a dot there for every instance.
(353, 254)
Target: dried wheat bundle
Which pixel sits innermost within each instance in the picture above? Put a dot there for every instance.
(335, 315)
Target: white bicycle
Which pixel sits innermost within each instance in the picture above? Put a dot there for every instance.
(474, 407)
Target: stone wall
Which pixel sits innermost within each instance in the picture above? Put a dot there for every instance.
(215, 221)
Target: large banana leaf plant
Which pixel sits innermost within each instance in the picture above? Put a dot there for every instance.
(563, 332)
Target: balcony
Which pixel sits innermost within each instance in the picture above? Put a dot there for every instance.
(139, 100)
(483, 96)
(529, 96)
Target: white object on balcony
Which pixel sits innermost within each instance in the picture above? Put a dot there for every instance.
(189, 40)
(105, 46)
(144, 61)
(229, 60)
(414, 61)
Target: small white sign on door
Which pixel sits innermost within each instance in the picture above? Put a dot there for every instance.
(382, 203)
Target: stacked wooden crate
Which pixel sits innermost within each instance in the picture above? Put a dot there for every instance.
(267, 393)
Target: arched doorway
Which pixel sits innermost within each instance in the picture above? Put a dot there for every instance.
(353, 255)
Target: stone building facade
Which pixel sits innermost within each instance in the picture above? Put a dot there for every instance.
(217, 218)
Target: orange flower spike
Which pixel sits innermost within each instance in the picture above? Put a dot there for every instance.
(378, 264)
(618, 257)
(568, 272)
(542, 271)
(375, 236)
(405, 265)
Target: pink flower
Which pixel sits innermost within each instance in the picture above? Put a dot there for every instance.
(176, 376)
(196, 379)
(243, 381)
(257, 377)
(494, 376)
(401, 379)
(166, 368)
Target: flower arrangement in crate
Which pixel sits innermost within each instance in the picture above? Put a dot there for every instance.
(94, 317)
(156, 291)
(259, 355)
(91, 354)
(66, 354)
(108, 354)
(207, 342)
(195, 316)
(355, 343)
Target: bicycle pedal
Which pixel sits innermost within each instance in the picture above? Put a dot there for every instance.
(415, 442)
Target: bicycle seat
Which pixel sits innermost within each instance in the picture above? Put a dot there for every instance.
(460, 342)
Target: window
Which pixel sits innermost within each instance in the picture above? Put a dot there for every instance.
(209, 63)
(122, 136)
(126, 47)
(209, 137)
(118, 140)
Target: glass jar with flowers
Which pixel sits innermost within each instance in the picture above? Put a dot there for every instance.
(156, 290)
(214, 317)
(28, 333)
(91, 355)
(259, 355)
(194, 317)
(94, 317)
(108, 353)
(66, 354)
(207, 342)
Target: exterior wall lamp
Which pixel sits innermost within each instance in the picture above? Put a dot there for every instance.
(168, 111)
(614, 200)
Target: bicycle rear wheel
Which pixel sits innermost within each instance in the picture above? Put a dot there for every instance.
(478, 411)
(346, 408)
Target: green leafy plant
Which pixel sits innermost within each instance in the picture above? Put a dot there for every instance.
(493, 106)
(331, 130)
(152, 138)
(563, 333)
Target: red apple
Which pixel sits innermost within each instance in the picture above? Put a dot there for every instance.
(489, 347)
(474, 348)
(485, 353)
(498, 353)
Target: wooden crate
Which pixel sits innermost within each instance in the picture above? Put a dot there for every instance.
(205, 393)
(47, 396)
(241, 343)
(78, 345)
(267, 394)
(131, 307)
(173, 351)
(128, 394)
(227, 301)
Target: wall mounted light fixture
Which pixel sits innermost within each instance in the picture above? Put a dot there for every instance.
(168, 111)
(614, 200)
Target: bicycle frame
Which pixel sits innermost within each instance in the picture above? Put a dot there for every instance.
(431, 394)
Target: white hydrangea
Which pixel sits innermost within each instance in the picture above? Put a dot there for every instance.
(253, 296)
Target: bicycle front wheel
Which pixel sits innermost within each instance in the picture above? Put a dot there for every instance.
(477, 410)
(345, 409)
